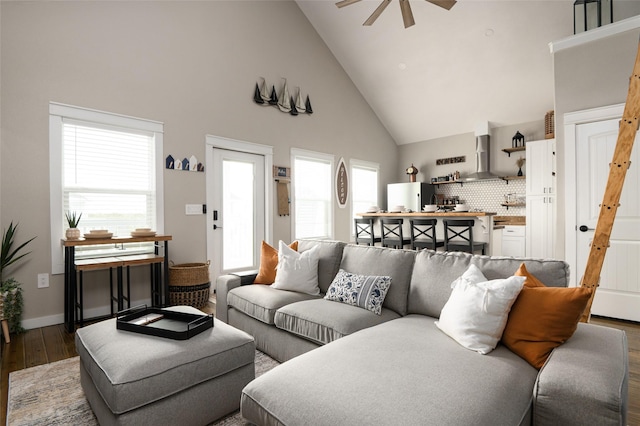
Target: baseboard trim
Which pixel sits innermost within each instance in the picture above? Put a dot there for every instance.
(100, 311)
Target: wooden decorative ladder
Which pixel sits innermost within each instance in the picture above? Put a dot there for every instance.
(617, 173)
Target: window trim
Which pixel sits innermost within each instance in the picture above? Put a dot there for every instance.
(57, 113)
(319, 156)
(362, 164)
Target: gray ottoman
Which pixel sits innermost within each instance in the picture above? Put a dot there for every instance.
(135, 379)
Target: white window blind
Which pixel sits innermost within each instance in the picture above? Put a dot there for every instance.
(107, 167)
(109, 176)
(312, 173)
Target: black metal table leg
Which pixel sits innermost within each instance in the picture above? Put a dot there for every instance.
(119, 280)
(69, 289)
(165, 278)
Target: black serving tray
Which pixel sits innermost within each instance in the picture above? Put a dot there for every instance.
(172, 325)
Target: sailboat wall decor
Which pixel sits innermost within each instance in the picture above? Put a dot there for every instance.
(286, 103)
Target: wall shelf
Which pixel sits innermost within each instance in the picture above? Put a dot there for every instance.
(508, 178)
(447, 182)
(507, 205)
(516, 149)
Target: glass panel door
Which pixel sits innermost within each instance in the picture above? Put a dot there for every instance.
(238, 210)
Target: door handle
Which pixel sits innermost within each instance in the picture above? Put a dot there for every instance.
(585, 228)
(216, 227)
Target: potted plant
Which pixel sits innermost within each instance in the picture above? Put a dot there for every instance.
(11, 302)
(73, 219)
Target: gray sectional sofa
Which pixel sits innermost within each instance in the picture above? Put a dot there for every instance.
(347, 365)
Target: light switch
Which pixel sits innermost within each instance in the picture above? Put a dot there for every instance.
(193, 209)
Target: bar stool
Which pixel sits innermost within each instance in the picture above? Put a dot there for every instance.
(458, 236)
(364, 232)
(93, 265)
(423, 234)
(392, 233)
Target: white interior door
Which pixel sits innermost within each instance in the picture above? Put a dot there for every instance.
(237, 210)
(618, 295)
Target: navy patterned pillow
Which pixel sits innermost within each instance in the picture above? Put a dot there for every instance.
(364, 291)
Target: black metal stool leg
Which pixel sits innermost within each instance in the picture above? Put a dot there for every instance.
(111, 290)
(80, 304)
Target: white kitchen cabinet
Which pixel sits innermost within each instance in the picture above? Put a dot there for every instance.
(541, 199)
(513, 241)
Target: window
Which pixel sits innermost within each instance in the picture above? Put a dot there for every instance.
(364, 187)
(106, 167)
(312, 198)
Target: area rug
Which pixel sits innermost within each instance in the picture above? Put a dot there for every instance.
(51, 394)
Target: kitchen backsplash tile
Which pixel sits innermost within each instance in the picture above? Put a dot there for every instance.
(486, 195)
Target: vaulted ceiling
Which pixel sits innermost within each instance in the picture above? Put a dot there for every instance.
(481, 61)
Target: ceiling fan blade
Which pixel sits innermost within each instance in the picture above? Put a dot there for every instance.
(407, 15)
(445, 4)
(344, 3)
(377, 12)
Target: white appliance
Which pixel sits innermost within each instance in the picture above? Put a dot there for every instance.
(411, 195)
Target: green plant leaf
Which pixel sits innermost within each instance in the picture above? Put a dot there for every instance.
(9, 256)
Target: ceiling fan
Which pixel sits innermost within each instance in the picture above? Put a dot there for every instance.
(407, 15)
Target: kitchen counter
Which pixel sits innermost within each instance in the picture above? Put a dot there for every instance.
(499, 222)
(424, 214)
(483, 230)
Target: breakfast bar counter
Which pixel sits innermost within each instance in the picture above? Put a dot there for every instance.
(482, 232)
(432, 214)
(159, 269)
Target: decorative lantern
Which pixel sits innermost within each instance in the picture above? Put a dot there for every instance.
(412, 172)
(517, 140)
(590, 14)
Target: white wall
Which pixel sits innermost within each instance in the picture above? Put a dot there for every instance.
(192, 66)
(589, 75)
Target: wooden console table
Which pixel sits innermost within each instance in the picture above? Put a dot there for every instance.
(159, 276)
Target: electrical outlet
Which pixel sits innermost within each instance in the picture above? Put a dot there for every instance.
(43, 280)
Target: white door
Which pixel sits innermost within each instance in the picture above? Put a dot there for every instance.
(237, 210)
(619, 293)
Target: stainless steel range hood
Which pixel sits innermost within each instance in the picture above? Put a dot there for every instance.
(483, 161)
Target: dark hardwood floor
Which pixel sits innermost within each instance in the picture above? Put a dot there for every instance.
(53, 343)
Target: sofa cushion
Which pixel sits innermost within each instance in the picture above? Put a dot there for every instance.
(261, 302)
(476, 312)
(268, 263)
(362, 379)
(323, 321)
(435, 271)
(298, 271)
(543, 318)
(397, 264)
(364, 291)
(330, 254)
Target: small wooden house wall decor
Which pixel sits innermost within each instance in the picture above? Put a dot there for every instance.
(190, 164)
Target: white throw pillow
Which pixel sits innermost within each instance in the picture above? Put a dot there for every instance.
(297, 271)
(477, 310)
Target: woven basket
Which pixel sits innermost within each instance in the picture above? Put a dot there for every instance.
(189, 284)
(193, 295)
(549, 125)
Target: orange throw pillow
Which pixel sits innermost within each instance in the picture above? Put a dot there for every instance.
(542, 318)
(269, 262)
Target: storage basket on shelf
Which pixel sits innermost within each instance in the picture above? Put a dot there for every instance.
(189, 284)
